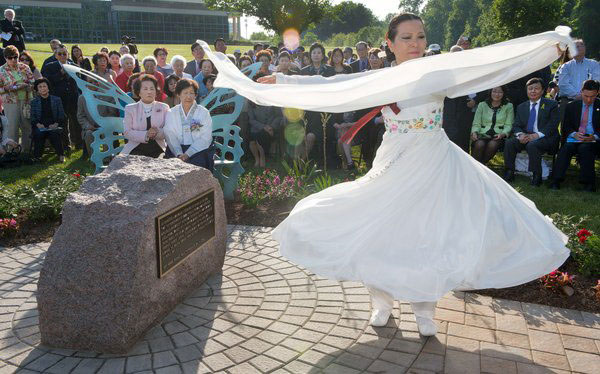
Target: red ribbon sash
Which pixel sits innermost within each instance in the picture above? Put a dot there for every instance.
(352, 131)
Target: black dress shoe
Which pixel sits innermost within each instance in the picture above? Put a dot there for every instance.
(589, 188)
(509, 175)
(536, 180)
(555, 185)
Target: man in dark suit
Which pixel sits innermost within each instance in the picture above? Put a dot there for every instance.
(582, 128)
(536, 131)
(54, 43)
(15, 28)
(362, 64)
(63, 86)
(193, 67)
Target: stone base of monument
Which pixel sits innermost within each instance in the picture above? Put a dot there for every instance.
(135, 240)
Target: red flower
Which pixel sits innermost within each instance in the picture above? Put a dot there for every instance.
(77, 175)
(583, 232)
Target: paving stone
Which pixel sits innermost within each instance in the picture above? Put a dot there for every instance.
(523, 368)
(429, 361)
(297, 367)
(495, 365)
(505, 352)
(163, 359)
(576, 343)
(436, 344)
(550, 360)
(174, 369)
(113, 365)
(461, 344)
(471, 332)
(217, 362)
(379, 366)
(64, 366)
(512, 339)
(339, 369)
(480, 321)
(353, 361)
(265, 364)
(546, 342)
(281, 353)
(450, 315)
(88, 365)
(398, 358)
(407, 346)
(583, 332)
(44, 362)
(461, 362)
(583, 362)
(316, 358)
(297, 344)
(187, 353)
(511, 323)
(139, 363)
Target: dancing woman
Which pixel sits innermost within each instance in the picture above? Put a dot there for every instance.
(427, 218)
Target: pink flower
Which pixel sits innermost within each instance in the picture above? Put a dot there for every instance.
(394, 127)
(276, 180)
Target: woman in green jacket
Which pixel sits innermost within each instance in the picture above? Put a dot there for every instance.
(493, 122)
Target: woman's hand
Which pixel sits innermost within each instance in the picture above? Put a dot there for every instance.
(499, 136)
(269, 79)
(40, 126)
(474, 137)
(183, 157)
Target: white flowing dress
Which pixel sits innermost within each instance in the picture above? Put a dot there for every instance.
(427, 218)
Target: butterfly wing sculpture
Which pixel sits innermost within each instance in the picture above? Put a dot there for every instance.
(106, 104)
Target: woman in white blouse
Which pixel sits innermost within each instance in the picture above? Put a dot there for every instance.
(188, 128)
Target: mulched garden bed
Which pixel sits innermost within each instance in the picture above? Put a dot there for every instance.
(271, 213)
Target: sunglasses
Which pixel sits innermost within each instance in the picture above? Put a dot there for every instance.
(62, 54)
(12, 58)
(24, 59)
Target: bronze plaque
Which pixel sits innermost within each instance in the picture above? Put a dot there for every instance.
(183, 230)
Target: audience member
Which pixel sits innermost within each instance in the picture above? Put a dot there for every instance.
(464, 42)
(264, 122)
(536, 131)
(208, 81)
(346, 120)
(130, 82)
(127, 63)
(63, 86)
(26, 58)
(169, 89)
(15, 28)
(114, 58)
(492, 124)
(54, 43)
(193, 67)
(101, 67)
(16, 80)
(104, 50)
(375, 62)
(265, 58)
(206, 68)
(144, 121)
(285, 64)
(88, 125)
(433, 49)
(161, 57)
(348, 52)
(188, 128)
(178, 64)
(582, 125)
(337, 62)
(244, 62)
(127, 50)
(149, 64)
(362, 64)
(577, 71)
(47, 117)
(220, 45)
(79, 59)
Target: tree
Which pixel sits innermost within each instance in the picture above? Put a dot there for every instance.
(277, 15)
(585, 23)
(260, 36)
(411, 6)
(435, 16)
(509, 19)
(462, 20)
(309, 38)
(345, 17)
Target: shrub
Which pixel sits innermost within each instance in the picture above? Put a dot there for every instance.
(8, 226)
(556, 280)
(254, 188)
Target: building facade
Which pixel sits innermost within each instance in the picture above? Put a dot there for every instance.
(105, 21)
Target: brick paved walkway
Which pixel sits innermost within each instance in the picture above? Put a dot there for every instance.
(264, 314)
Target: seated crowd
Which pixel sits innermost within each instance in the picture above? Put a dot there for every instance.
(539, 114)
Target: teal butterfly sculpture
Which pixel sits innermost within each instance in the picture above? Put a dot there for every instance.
(106, 103)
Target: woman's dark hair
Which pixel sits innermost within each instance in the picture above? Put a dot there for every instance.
(186, 83)
(11, 51)
(131, 80)
(333, 53)
(160, 49)
(285, 54)
(167, 81)
(315, 46)
(40, 81)
(137, 85)
(374, 51)
(393, 30)
(208, 78)
(98, 56)
(31, 62)
(114, 53)
(73, 48)
(264, 52)
(196, 44)
(504, 100)
(591, 85)
(244, 58)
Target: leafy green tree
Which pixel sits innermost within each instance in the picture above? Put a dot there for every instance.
(462, 20)
(585, 24)
(277, 15)
(412, 6)
(345, 17)
(309, 38)
(260, 36)
(435, 16)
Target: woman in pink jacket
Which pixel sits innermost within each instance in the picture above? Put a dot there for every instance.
(144, 120)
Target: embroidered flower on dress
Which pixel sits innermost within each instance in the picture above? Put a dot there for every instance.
(196, 126)
(394, 128)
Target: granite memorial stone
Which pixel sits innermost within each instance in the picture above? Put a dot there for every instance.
(134, 241)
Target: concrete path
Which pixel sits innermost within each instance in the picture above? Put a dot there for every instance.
(264, 314)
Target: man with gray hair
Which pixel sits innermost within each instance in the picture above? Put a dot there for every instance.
(54, 43)
(13, 32)
(362, 64)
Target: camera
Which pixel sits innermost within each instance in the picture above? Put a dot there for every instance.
(130, 42)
